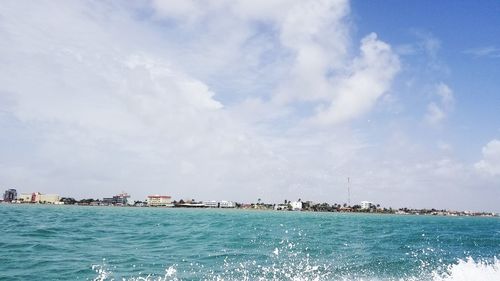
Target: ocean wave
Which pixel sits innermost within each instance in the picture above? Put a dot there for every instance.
(470, 270)
(463, 270)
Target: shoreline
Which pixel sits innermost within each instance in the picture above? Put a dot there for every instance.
(440, 214)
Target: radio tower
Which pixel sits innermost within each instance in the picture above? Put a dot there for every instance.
(349, 191)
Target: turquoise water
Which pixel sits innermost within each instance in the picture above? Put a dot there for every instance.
(106, 243)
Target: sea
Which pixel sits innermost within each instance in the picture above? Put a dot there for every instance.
(43, 242)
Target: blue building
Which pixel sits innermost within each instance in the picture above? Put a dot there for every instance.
(10, 195)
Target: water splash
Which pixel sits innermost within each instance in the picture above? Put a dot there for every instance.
(471, 270)
(104, 274)
(464, 270)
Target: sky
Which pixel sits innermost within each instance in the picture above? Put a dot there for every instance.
(240, 100)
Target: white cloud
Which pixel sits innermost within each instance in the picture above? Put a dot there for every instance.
(434, 114)
(314, 63)
(204, 99)
(317, 33)
(106, 116)
(446, 95)
(487, 52)
(370, 77)
(437, 111)
(428, 43)
(184, 10)
(444, 146)
(490, 164)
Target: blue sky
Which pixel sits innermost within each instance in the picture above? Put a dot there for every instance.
(239, 100)
(463, 29)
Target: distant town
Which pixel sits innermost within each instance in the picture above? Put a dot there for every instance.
(164, 201)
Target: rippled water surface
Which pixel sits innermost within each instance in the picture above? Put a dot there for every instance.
(106, 243)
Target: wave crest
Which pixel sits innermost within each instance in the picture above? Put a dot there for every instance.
(470, 270)
(464, 270)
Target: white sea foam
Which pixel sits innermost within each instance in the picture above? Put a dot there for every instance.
(102, 272)
(471, 270)
(464, 270)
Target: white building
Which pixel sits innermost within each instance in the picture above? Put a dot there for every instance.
(24, 198)
(221, 204)
(49, 198)
(211, 204)
(281, 207)
(37, 197)
(296, 205)
(227, 204)
(159, 200)
(366, 204)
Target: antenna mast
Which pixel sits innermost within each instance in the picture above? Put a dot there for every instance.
(349, 191)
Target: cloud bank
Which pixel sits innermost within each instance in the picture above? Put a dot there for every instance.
(211, 100)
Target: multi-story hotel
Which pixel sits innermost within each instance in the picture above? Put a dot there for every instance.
(37, 197)
(10, 195)
(159, 201)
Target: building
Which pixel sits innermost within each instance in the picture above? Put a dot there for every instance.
(140, 203)
(159, 201)
(117, 200)
(296, 205)
(49, 198)
(10, 195)
(281, 207)
(24, 198)
(219, 204)
(227, 204)
(211, 204)
(366, 204)
(29, 197)
(37, 197)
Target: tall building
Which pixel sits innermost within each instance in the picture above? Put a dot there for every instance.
(10, 195)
